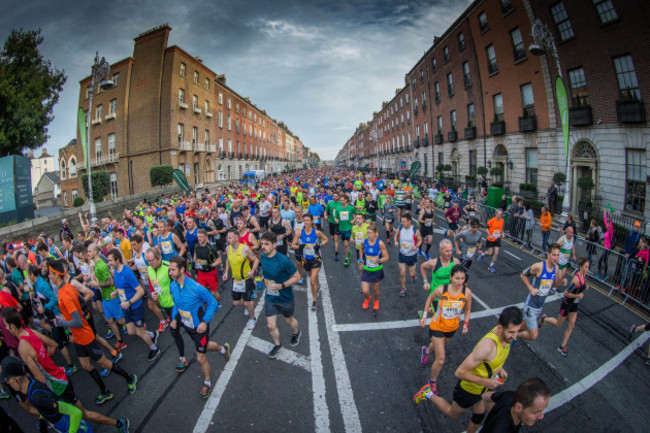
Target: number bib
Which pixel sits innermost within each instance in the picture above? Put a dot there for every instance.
(471, 251)
(122, 295)
(496, 234)
(345, 216)
(271, 292)
(157, 288)
(239, 286)
(358, 238)
(451, 310)
(372, 264)
(200, 263)
(166, 247)
(545, 287)
(186, 318)
(309, 250)
(427, 224)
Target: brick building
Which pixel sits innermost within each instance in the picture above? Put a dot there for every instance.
(479, 97)
(167, 108)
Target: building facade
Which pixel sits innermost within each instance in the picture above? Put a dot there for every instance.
(166, 107)
(479, 97)
(40, 166)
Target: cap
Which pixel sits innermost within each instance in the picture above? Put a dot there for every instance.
(203, 212)
(11, 367)
(107, 239)
(64, 220)
(637, 224)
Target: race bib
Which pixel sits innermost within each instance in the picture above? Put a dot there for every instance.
(427, 224)
(452, 310)
(122, 295)
(372, 262)
(157, 288)
(309, 250)
(358, 238)
(564, 257)
(496, 234)
(186, 318)
(345, 216)
(545, 287)
(269, 291)
(143, 273)
(239, 286)
(201, 264)
(166, 247)
(471, 251)
(316, 220)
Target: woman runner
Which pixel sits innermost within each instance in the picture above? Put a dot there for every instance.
(373, 254)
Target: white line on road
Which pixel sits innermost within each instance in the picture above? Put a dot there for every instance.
(321, 412)
(203, 423)
(285, 355)
(349, 411)
(510, 254)
(480, 301)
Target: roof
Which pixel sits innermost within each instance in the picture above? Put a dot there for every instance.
(73, 142)
(53, 176)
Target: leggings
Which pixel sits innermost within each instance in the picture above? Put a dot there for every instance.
(602, 262)
(176, 334)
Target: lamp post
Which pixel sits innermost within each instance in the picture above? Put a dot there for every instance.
(101, 70)
(542, 43)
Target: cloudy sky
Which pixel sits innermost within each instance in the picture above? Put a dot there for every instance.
(322, 67)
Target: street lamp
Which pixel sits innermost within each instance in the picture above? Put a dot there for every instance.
(542, 43)
(101, 71)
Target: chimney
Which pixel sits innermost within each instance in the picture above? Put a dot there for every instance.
(221, 78)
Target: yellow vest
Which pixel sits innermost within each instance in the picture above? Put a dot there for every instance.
(485, 369)
(239, 264)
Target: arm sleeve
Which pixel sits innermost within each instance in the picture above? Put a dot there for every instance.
(74, 323)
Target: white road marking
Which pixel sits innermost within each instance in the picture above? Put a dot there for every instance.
(510, 254)
(203, 423)
(349, 411)
(321, 412)
(285, 355)
(480, 301)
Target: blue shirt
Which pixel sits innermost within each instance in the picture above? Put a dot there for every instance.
(288, 214)
(317, 211)
(125, 280)
(192, 238)
(278, 269)
(189, 300)
(46, 293)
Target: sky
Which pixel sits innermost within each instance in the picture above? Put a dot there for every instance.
(320, 66)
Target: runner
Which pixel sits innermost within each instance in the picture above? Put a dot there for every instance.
(360, 234)
(440, 266)
(189, 299)
(330, 213)
(452, 299)
(317, 211)
(282, 230)
(400, 200)
(373, 254)
(545, 276)
(240, 258)
(279, 276)
(481, 371)
(640, 328)
(206, 261)
(390, 213)
(452, 215)
(493, 242)
(140, 265)
(569, 307)
(470, 210)
(567, 250)
(426, 220)
(343, 217)
(371, 208)
(470, 242)
(311, 242)
(169, 243)
(408, 240)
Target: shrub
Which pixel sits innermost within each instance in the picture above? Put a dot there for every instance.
(559, 178)
(160, 175)
(78, 201)
(496, 171)
(101, 185)
(482, 171)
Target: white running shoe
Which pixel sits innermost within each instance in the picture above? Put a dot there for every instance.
(251, 324)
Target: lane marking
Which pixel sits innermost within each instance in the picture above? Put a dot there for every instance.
(349, 411)
(510, 254)
(285, 355)
(203, 423)
(321, 412)
(480, 301)
(411, 323)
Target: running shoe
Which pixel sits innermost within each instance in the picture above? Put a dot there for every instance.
(422, 394)
(420, 253)
(162, 327)
(424, 357)
(336, 257)
(133, 384)
(116, 358)
(123, 330)
(103, 398)
(542, 320)
(156, 334)
(153, 354)
(105, 372)
(314, 306)
(123, 425)
(402, 292)
(274, 352)
(302, 281)
(205, 391)
(563, 350)
(366, 303)
(245, 311)
(251, 324)
(434, 386)
(120, 345)
(480, 257)
(631, 333)
(3, 394)
(109, 335)
(347, 261)
(375, 305)
(70, 370)
(426, 256)
(415, 278)
(181, 366)
(226, 354)
(295, 339)
(492, 269)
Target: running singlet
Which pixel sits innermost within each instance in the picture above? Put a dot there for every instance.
(544, 284)
(441, 275)
(298, 225)
(278, 229)
(428, 217)
(309, 242)
(372, 252)
(447, 316)
(575, 290)
(565, 250)
(141, 263)
(487, 369)
(239, 264)
(54, 374)
(167, 246)
(399, 198)
(495, 229)
(407, 241)
(360, 234)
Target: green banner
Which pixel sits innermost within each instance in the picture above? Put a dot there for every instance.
(181, 180)
(81, 121)
(563, 106)
(414, 168)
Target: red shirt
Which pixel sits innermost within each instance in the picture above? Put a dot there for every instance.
(6, 300)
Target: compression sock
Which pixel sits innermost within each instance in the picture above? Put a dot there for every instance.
(119, 370)
(98, 380)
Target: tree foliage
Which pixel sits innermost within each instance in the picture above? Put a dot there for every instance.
(161, 175)
(101, 185)
(29, 89)
(482, 171)
(78, 201)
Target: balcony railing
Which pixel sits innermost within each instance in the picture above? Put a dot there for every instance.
(416, 143)
(425, 140)
(452, 136)
(580, 116)
(470, 132)
(211, 148)
(185, 145)
(111, 158)
(498, 128)
(437, 139)
(199, 147)
(519, 53)
(528, 124)
(630, 111)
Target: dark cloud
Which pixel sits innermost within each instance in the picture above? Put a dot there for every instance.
(322, 67)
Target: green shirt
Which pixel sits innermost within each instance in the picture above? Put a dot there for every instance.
(331, 208)
(102, 273)
(160, 281)
(399, 198)
(345, 216)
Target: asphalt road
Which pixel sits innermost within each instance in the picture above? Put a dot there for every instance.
(357, 371)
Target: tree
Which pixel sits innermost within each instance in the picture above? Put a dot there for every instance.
(161, 175)
(29, 89)
(482, 171)
(101, 185)
(78, 201)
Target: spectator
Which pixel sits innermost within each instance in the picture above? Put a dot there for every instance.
(512, 212)
(529, 219)
(551, 196)
(545, 221)
(65, 230)
(632, 241)
(593, 236)
(608, 238)
(503, 205)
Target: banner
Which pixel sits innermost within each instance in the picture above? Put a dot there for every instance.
(181, 180)
(81, 121)
(563, 107)
(414, 168)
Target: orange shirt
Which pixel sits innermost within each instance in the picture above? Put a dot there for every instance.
(390, 192)
(495, 229)
(68, 304)
(545, 222)
(447, 317)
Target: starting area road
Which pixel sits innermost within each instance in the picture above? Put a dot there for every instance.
(357, 371)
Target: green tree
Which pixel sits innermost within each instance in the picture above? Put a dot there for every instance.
(101, 185)
(160, 175)
(29, 89)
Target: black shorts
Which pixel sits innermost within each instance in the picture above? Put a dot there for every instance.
(92, 351)
(246, 295)
(401, 206)
(566, 308)
(60, 336)
(275, 308)
(410, 261)
(372, 276)
(309, 264)
(441, 334)
(68, 394)
(334, 229)
(426, 231)
(264, 221)
(200, 340)
(465, 399)
(452, 226)
(282, 248)
(490, 244)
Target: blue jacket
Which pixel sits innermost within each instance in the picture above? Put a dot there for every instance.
(189, 299)
(631, 243)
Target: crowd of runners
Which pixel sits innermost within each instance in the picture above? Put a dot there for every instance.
(178, 255)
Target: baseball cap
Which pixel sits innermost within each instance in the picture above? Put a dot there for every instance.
(637, 224)
(11, 367)
(106, 240)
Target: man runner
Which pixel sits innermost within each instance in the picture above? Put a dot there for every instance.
(493, 242)
(244, 264)
(408, 240)
(468, 242)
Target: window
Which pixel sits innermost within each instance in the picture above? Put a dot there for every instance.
(483, 22)
(229, 145)
(221, 144)
(439, 124)
(415, 104)
(207, 84)
(531, 166)
(467, 77)
(206, 136)
(498, 105)
(112, 107)
(450, 85)
(426, 129)
(461, 41)
(436, 88)
(237, 125)
(518, 45)
(195, 134)
(228, 103)
(578, 85)
(470, 115)
(506, 6)
(417, 132)
(452, 118)
(195, 102)
(635, 180)
(62, 169)
(220, 119)
(561, 19)
(407, 98)
(181, 96)
(413, 83)
(182, 71)
(206, 105)
(74, 194)
(434, 65)
(627, 82)
(424, 101)
(472, 163)
(237, 107)
(421, 76)
(65, 199)
(98, 112)
(527, 98)
(441, 158)
(221, 100)
(229, 122)
(111, 146)
(181, 132)
(113, 179)
(196, 77)
(492, 60)
(116, 79)
(445, 53)
(73, 167)
(98, 148)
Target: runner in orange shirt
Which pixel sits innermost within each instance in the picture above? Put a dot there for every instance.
(493, 243)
